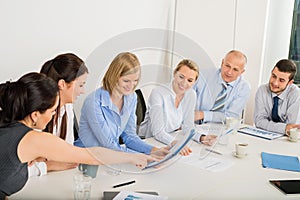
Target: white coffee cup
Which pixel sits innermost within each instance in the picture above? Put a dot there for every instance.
(241, 149)
(294, 134)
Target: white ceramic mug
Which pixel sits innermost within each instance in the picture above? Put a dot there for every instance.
(241, 149)
(294, 134)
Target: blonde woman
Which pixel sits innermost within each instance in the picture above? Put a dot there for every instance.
(109, 112)
(171, 107)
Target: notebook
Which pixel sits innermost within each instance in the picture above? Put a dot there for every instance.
(259, 133)
(276, 161)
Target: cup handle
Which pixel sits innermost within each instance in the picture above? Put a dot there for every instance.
(80, 167)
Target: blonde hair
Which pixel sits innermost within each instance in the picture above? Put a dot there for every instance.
(123, 64)
(190, 64)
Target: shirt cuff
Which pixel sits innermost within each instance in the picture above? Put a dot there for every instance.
(197, 137)
(42, 168)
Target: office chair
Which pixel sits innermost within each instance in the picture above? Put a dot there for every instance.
(140, 112)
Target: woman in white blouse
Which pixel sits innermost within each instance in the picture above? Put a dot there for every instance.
(171, 107)
(70, 73)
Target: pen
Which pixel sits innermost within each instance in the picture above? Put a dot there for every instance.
(123, 184)
(213, 151)
(229, 131)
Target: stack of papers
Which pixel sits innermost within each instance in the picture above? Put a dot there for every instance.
(276, 161)
(260, 133)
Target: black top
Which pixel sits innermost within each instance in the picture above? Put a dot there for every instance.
(13, 173)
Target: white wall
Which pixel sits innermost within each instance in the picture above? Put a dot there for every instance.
(34, 31)
(278, 35)
(259, 28)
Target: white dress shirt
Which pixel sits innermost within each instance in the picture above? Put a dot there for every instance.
(40, 168)
(162, 116)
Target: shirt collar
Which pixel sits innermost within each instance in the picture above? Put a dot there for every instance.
(231, 84)
(106, 101)
(283, 95)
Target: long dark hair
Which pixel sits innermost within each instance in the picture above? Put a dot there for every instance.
(67, 67)
(32, 92)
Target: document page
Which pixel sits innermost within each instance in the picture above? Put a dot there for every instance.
(210, 163)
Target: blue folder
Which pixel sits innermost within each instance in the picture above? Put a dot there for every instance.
(276, 161)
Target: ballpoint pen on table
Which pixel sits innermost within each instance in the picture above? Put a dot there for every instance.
(229, 131)
(213, 151)
(123, 184)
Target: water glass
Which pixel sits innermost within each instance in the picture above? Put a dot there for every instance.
(82, 186)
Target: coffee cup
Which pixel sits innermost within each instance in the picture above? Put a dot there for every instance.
(89, 170)
(241, 149)
(294, 134)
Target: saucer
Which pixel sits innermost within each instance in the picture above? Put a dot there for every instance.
(239, 156)
(293, 140)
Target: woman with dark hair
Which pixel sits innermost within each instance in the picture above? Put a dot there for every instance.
(27, 106)
(70, 73)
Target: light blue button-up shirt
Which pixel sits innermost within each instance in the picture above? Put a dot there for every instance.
(209, 85)
(101, 124)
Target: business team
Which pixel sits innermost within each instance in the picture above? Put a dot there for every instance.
(28, 105)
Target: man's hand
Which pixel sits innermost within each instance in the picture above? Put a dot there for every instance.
(198, 115)
(290, 126)
(208, 139)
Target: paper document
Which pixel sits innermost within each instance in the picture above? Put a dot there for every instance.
(174, 150)
(135, 195)
(276, 161)
(260, 133)
(211, 128)
(210, 163)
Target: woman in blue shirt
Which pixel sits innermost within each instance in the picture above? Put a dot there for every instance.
(109, 112)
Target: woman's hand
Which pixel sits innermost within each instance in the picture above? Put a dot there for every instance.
(39, 159)
(208, 139)
(185, 151)
(141, 160)
(59, 166)
(160, 153)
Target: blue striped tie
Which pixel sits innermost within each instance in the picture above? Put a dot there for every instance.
(220, 100)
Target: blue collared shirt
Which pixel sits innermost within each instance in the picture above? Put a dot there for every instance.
(209, 85)
(101, 123)
(288, 108)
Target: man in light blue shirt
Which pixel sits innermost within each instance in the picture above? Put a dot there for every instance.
(210, 84)
(285, 113)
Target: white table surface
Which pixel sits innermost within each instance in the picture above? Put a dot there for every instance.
(246, 179)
